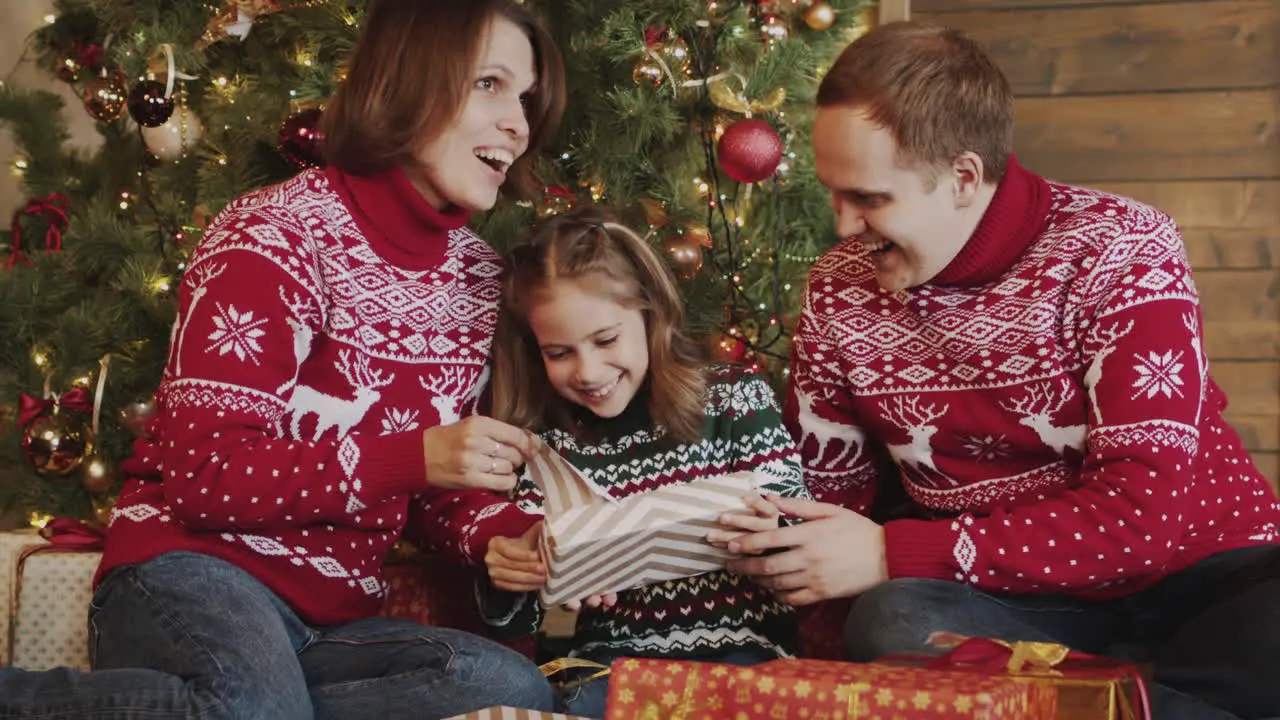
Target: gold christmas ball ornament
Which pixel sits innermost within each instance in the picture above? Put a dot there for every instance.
(104, 96)
(134, 416)
(56, 444)
(819, 15)
(647, 71)
(684, 254)
(97, 476)
(675, 53)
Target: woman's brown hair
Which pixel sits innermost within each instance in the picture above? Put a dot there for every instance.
(587, 244)
(409, 77)
(933, 88)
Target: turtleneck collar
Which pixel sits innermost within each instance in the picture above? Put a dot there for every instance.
(1017, 214)
(398, 222)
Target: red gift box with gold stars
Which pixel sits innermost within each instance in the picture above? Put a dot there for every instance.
(647, 689)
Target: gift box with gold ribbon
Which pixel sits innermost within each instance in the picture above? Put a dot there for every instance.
(810, 689)
(1088, 687)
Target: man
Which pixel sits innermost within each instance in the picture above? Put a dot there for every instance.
(1028, 354)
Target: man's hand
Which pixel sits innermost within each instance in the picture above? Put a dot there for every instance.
(476, 452)
(835, 553)
(515, 564)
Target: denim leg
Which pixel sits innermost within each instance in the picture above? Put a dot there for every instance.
(1214, 632)
(389, 668)
(180, 636)
(898, 617)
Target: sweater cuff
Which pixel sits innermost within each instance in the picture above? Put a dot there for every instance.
(393, 465)
(508, 522)
(920, 549)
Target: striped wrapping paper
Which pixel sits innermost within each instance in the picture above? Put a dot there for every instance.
(510, 713)
(595, 544)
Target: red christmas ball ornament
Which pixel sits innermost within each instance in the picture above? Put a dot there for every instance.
(749, 150)
(300, 138)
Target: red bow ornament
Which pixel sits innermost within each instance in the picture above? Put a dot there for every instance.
(52, 206)
(31, 407)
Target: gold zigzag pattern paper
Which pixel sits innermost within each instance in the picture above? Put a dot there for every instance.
(596, 544)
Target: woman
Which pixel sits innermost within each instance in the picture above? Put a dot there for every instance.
(332, 331)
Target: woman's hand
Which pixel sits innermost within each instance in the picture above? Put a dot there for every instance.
(514, 564)
(476, 452)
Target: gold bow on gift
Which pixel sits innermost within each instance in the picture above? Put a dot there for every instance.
(727, 99)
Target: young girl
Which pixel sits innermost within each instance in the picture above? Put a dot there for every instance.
(332, 331)
(589, 354)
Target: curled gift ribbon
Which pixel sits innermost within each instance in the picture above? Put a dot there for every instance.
(1025, 657)
(52, 206)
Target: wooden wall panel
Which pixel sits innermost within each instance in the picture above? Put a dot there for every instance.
(1133, 48)
(1168, 136)
(929, 7)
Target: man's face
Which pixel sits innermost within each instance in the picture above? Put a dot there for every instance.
(908, 219)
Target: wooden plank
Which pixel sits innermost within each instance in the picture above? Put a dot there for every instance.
(1253, 388)
(892, 10)
(1135, 48)
(1241, 313)
(1225, 223)
(1260, 433)
(930, 7)
(1172, 136)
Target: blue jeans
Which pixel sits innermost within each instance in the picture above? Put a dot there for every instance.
(190, 636)
(1211, 632)
(588, 699)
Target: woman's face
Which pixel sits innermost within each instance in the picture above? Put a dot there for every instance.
(467, 163)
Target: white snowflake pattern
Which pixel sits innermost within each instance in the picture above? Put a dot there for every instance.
(1159, 374)
(987, 448)
(236, 332)
(398, 421)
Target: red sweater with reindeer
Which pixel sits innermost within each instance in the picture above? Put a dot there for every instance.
(1046, 399)
(324, 323)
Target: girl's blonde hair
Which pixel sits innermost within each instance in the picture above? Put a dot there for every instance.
(588, 244)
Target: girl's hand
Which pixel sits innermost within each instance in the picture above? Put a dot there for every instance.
(476, 452)
(515, 564)
(607, 600)
(760, 515)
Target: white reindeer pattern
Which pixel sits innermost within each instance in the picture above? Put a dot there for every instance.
(1093, 375)
(299, 321)
(202, 275)
(453, 387)
(813, 425)
(337, 413)
(908, 414)
(1037, 409)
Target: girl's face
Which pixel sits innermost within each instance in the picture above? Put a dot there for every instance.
(595, 349)
(467, 163)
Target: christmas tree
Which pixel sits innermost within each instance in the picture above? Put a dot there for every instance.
(689, 117)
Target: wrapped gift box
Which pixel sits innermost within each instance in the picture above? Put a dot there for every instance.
(510, 713)
(807, 689)
(595, 544)
(45, 591)
(1087, 687)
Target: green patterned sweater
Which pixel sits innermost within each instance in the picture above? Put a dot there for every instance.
(699, 616)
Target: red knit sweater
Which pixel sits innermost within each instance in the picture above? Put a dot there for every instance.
(1046, 398)
(324, 323)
